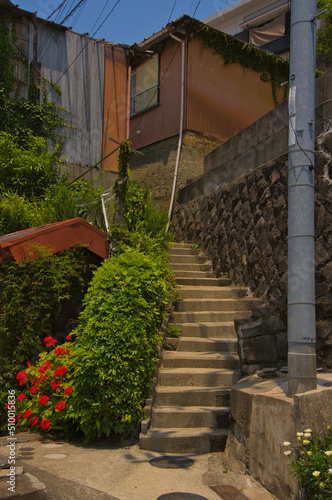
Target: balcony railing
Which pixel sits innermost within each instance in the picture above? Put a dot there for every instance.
(144, 100)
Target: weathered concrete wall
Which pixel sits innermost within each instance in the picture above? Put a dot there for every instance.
(242, 227)
(156, 168)
(264, 140)
(263, 418)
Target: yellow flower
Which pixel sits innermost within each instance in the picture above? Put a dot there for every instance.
(308, 430)
(321, 485)
(286, 443)
(299, 434)
(316, 473)
(328, 453)
(288, 452)
(307, 435)
(309, 453)
(330, 472)
(299, 439)
(306, 441)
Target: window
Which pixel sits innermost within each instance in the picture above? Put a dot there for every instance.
(145, 86)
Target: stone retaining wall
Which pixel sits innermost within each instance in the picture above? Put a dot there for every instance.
(242, 227)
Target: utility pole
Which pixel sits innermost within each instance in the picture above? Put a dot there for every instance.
(301, 227)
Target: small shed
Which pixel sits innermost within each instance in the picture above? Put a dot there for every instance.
(55, 237)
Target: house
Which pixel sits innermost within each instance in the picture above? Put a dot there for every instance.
(192, 84)
(263, 23)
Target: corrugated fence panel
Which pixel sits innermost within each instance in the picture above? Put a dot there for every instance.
(116, 104)
(76, 64)
(222, 100)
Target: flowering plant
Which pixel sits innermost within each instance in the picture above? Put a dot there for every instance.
(311, 462)
(46, 390)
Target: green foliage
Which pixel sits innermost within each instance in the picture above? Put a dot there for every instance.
(324, 33)
(34, 115)
(312, 463)
(18, 213)
(26, 172)
(232, 50)
(116, 343)
(173, 331)
(45, 392)
(31, 295)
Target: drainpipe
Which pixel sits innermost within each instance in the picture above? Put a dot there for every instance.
(301, 224)
(180, 133)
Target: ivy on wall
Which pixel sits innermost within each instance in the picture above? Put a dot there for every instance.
(232, 50)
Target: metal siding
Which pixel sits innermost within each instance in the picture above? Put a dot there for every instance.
(222, 99)
(162, 121)
(115, 103)
(82, 87)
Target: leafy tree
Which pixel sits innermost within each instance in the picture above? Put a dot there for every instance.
(324, 33)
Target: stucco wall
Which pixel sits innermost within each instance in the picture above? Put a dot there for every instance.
(156, 168)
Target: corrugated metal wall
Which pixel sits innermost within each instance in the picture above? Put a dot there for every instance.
(222, 100)
(116, 103)
(76, 64)
(162, 121)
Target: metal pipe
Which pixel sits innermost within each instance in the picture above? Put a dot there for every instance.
(301, 229)
(180, 132)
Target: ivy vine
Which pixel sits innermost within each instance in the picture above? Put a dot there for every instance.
(232, 50)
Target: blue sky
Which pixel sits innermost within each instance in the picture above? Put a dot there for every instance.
(131, 20)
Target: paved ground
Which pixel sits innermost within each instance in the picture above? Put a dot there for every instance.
(113, 470)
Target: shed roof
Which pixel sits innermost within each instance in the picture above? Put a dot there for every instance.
(55, 237)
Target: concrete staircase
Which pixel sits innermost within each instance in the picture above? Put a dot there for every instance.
(190, 408)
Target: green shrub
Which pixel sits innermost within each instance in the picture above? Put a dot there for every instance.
(31, 296)
(27, 171)
(116, 343)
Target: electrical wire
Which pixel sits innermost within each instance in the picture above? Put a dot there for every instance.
(73, 10)
(175, 1)
(198, 4)
(56, 10)
(85, 46)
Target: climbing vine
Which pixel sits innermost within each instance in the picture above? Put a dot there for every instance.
(232, 50)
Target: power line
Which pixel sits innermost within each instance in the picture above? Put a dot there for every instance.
(172, 11)
(198, 3)
(56, 10)
(73, 10)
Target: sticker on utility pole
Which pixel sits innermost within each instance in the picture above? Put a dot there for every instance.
(291, 101)
(291, 131)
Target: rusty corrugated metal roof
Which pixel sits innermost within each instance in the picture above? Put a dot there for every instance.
(55, 237)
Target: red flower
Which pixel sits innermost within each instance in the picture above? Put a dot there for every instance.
(44, 424)
(33, 421)
(59, 351)
(60, 371)
(19, 416)
(21, 377)
(68, 337)
(56, 385)
(68, 352)
(45, 366)
(8, 405)
(50, 341)
(60, 406)
(68, 390)
(27, 413)
(20, 397)
(33, 389)
(43, 400)
(28, 363)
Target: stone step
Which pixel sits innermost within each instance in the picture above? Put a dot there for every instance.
(208, 317)
(208, 377)
(188, 305)
(212, 292)
(186, 250)
(190, 440)
(180, 359)
(180, 273)
(222, 329)
(185, 259)
(182, 268)
(196, 344)
(200, 281)
(193, 416)
(191, 396)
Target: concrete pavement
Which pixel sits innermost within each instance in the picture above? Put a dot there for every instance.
(113, 469)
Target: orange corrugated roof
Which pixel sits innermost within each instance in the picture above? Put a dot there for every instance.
(56, 237)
